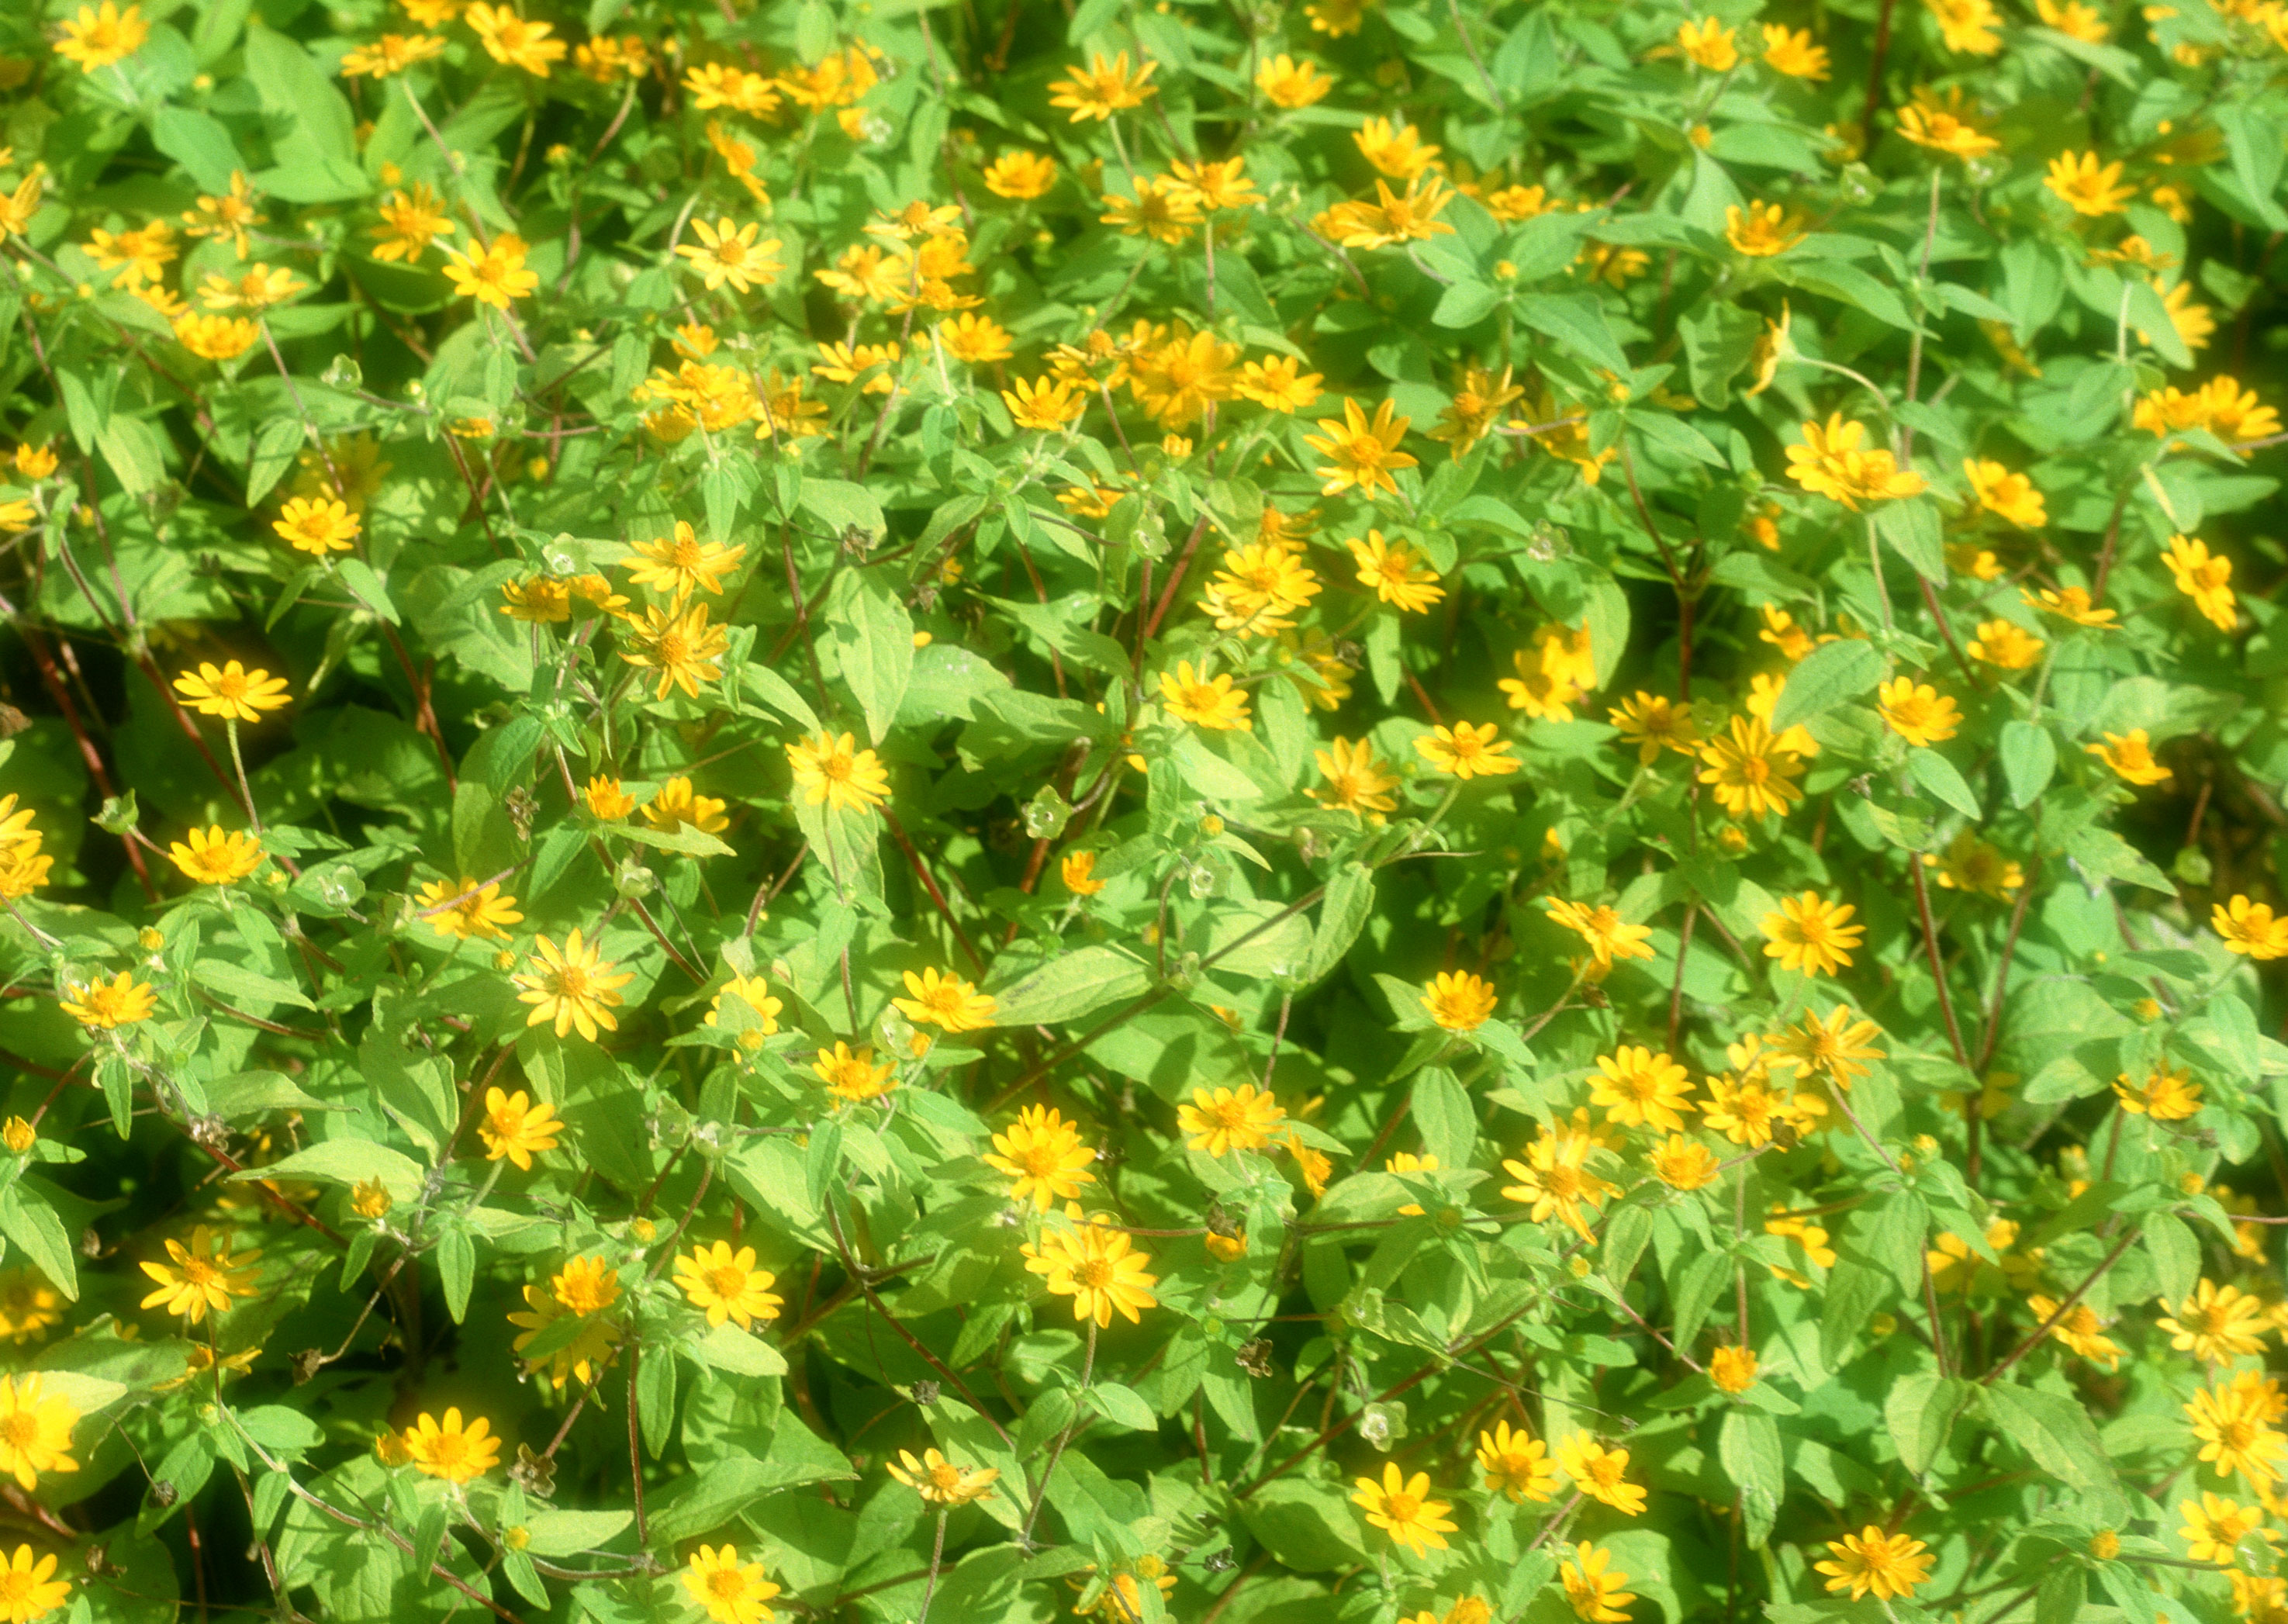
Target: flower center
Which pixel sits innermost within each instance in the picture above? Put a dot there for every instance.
(1095, 1274)
(727, 1282)
(19, 1431)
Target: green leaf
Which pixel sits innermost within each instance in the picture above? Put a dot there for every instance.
(457, 1268)
(201, 144)
(2176, 1255)
(571, 1533)
(2029, 757)
(32, 1228)
(1748, 1445)
(1910, 529)
(2058, 1433)
(1920, 1412)
(877, 643)
(1937, 774)
(2105, 853)
(1444, 1114)
(684, 839)
(1718, 339)
(728, 1348)
(291, 85)
(1123, 1406)
(842, 506)
(135, 453)
(1343, 913)
(1827, 676)
(1577, 322)
(1466, 303)
(1068, 986)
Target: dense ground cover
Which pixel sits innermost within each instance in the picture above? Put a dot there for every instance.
(1388, 810)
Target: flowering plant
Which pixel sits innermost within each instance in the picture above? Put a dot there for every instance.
(900, 810)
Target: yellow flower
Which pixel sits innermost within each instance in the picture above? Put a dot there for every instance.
(216, 855)
(317, 526)
(1653, 722)
(1918, 712)
(1021, 175)
(1793, 54)
(202, 1276)
(1592, 1586)
(231, 692)
(96, 38)
(577, 1361)
(1044, 1154)
(34, 1432)
(1609, 937)
(2010, 498)
(1637, 1087)
(2074, 19)
(2203, 577)
(1749, 773)
(1098, 1268)
(731, 1593)
(2070, 603)
(2089, 187)
(370, 1199)
(945, 1001)
(514, 1128)
(1396, 149)
(2129, 755)
(754, 992)
(390, 55)
(1812, 934)
(1462, 1003)
(1554, 1179)
(830, 770)
(1709, 44)
(1465, 752)
(467, 909)
(1599, 1473)
(512, 40)
(676, 806)
(1203, 700)
(1221, 1119)
(2165, 1096)
(449, 1450)
(938, 1480)
(1733, 1369)
(217, 337)
(1970, 864)
(2230, 1425)
(105, 1006)
(1683, 1164)
(1402, 1508)
(682, 564)
(574, 987)
(1516, 1465)
(1833, 1043)
(2216, 1324)
(1103, 88)
(607, 800)
(1286, 83)
(1045, 404)
(1888, 1564)
(1833, 462)
(2081, 1331)
(1361, 453)
(726, 1285)
(27, 1592)
(681, 647)
(494, 276)
(1077, 870)
(853, 1076)
(1356, 782)
(2006, 646)
(1763, 231)
(1395, 574)
(2250, 928)
(2214, 1527)
(1968, 26)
